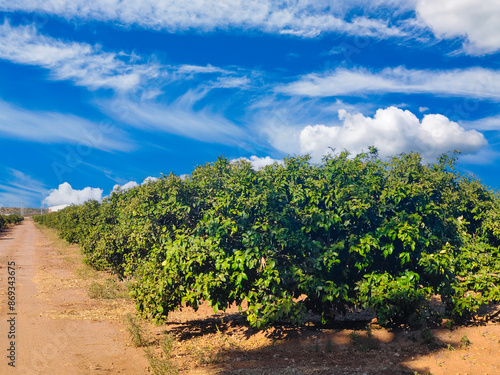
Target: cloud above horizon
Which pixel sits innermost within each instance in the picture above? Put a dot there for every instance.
(392, 131)
(258, 163)
(65, 194)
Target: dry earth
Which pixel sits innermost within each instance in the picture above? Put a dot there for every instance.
(61, 330)
(58, 328)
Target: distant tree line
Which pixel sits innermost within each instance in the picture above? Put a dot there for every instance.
(6, 220)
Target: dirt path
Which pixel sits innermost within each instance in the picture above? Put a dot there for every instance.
(56, 330)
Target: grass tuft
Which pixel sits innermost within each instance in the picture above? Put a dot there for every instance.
(109, 289)
(138, 334)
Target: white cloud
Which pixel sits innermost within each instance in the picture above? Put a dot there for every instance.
(423, 109)
(129, 185)
(258, 162)
(89, 66)
(65, 194)
(20, 187)
(149, 179)
(53, 127)
(485, 124)
(231, 82)
(81, 63)
(132, 184)
(392, 131)
(306, 18)
(473, 82)
(475, 20)
(483, 157)
(178, 118)
(197, 69)
(279, 121)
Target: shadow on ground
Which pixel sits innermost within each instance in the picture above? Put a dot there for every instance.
(348, 347)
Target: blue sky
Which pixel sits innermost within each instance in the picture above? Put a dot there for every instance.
(95, 94)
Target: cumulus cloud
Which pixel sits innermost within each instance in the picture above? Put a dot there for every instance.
(129, 185)
(475, 20)
(82, 63)
(65, 194)
(149, 179)
(392, 131)
(472, 82)
(132, 184)
(258, 162)
(305, 18)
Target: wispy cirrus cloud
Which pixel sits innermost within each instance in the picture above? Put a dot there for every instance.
(472, 82)
(178, 117)
(55, 127)
(18, 187)
(491, 123)
(197, 69)
(82, 63)
(304, 18)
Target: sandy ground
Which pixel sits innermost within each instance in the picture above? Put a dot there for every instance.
(60, 330)
(226, 345)
(56, 329)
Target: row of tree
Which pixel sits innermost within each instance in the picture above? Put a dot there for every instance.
(6, 220)
(296, 238)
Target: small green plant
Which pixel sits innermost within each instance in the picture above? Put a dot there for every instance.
(138, 334)
(430, 340)
(450, 347)
(354, 337)
(427, 336)
(449, 324)
(86, 272)
(329, 346)
(167, 344)
(364, 344)
(161, 364)
(465, 342)
(208, 355)
(109, 289)
(369, 333)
